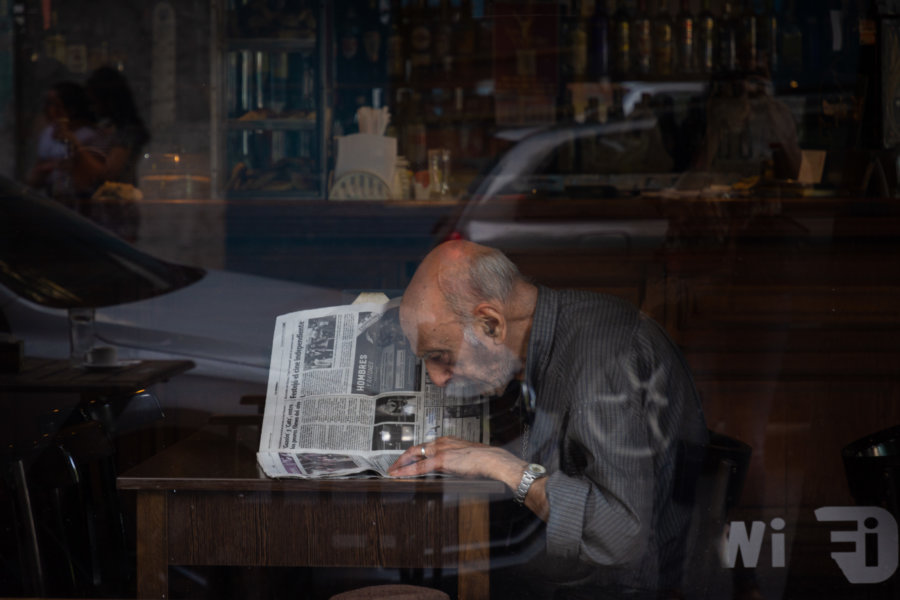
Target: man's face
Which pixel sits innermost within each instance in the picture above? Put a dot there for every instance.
(459, 356)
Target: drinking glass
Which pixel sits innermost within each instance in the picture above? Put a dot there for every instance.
(81, 334)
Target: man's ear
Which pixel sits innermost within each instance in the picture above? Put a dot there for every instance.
(492, 321)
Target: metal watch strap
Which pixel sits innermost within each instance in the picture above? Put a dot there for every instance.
(531, 473)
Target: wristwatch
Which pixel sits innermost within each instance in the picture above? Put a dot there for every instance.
(531, 473)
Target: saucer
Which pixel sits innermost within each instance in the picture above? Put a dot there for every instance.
(108, 366)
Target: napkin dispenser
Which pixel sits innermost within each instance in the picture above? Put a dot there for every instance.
(366, 152)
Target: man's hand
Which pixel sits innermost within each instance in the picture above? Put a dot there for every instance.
(459, 457)
(469, 459)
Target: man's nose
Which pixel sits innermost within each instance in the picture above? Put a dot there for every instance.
(439, 375)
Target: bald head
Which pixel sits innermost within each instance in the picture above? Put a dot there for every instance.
(464, 297)
(457, 275)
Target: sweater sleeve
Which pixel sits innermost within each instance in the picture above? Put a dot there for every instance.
(617, 432)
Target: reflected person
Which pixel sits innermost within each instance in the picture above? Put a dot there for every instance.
(70, 161)
(613, 401)
(747, 127)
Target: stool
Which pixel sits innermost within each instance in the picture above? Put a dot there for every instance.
(392, 592)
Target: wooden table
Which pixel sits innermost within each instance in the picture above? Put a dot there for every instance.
(204, 501)
(38, 401)
(57, 375)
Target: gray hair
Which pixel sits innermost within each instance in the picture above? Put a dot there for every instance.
(489, 276)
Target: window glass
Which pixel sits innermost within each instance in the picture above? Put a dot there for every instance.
(193, 170)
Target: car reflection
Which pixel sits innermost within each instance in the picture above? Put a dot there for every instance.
(540, 192)
(52, 258)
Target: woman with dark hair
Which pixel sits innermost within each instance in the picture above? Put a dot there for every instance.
(121, 126)
(123, 136)
(70, 162)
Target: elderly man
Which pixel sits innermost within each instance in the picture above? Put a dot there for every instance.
(610, 401)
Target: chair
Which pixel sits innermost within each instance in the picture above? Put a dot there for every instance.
(723, 470)
(76, 528)
(392, 592)
(872, 467)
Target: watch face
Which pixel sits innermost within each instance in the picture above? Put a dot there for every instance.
(537, 470)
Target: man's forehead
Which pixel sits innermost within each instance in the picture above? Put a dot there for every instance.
(428, 329)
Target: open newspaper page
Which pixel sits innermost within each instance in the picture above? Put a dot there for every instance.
(346, 395)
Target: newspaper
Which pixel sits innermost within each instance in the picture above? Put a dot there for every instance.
(346, 396)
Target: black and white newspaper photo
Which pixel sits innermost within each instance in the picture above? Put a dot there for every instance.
(346, 395)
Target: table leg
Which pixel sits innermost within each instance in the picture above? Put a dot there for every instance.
(152, 545)
(474, 548)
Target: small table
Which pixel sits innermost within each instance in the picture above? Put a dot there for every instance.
(39, 399)
(58, 375)
(204, 501)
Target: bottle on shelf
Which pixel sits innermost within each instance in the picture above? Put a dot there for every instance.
(621, 40)
(567, 22)
(727, 31)
(395, 46)
(747, 37)
(443, 52)
(685, 41)
(767, 41)
(576, 57)
(415, 144)
(707, 41)
(419, 43)
(641, 42)
(373, 41)
(279, 74)
(484, 47)
(814, 44)
(599, 42)
(791, 43)
(349, 59)
(465, 35)
(663, 41)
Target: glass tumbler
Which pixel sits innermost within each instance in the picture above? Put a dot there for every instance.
(81, 334)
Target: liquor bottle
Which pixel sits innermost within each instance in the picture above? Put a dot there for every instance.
(373, 40)
(813, 41)
(727, 34)
(568, 20)
(747, 37)
(419, 42)
(663, 40)
(415, 144)
(706, 41)
(484, 51)
(465, 37)
(621, 41)
(577, 45)
(349, 61)
(54, 40)
(641, 42)
(396, 51)
(791, 43)
(443, 53)
(685, 42)
(599, 42)
(767, 45)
